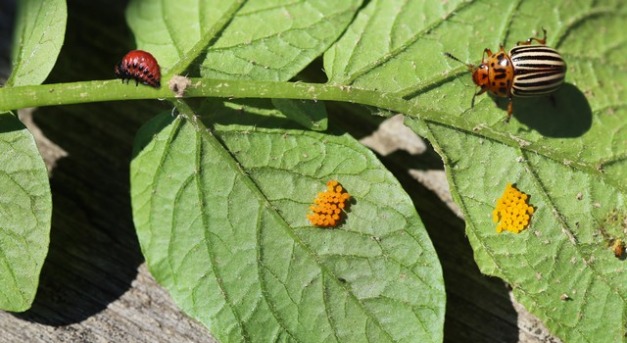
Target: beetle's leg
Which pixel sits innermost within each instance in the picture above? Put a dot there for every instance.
(485, 51)
(472, 102)
(510, 110)
(528, 41)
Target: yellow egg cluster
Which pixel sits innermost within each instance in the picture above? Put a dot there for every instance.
(328, 206)
(512, 212)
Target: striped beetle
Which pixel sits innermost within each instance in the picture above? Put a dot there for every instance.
(527, 71)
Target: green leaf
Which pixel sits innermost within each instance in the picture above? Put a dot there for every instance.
(309, 114)
(177, 32)
(566, 250)
(25, 212)
(390, 45)
(248, 113)
(226, 232)
(557, 153)
(274, 40)
(584, 123)
(264, 40)
(39, 34)
(549, 150)
(248, 47)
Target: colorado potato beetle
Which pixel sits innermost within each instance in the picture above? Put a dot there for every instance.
(527, 71)
(140, 66)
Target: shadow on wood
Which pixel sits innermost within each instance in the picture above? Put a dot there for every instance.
(94, 253)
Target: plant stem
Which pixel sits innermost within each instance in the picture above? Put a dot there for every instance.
(114, 90)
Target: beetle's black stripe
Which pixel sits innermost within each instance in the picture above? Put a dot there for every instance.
(523, 57)
(526, 54)
(538, 59)
(540, 65)
(538, 83)
(538, 70)
(533, 67)
(531, 77)
(536, 49)
(533, 48)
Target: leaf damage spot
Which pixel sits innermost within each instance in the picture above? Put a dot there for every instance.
(613, 229)
(178, 84)
(618, 247)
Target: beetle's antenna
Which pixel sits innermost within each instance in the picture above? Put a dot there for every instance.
(470, 66)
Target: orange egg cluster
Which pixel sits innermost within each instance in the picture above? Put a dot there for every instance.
(512, 212)
(328, 206)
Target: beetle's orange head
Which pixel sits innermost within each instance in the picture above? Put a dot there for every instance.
(480, 75)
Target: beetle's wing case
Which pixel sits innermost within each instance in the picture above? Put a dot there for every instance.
(538, 70)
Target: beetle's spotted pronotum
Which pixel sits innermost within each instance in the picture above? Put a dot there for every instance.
(526, 71)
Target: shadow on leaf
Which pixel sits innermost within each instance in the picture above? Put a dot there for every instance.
(564, 114)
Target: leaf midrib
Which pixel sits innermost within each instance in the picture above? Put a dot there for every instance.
(236, 166)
